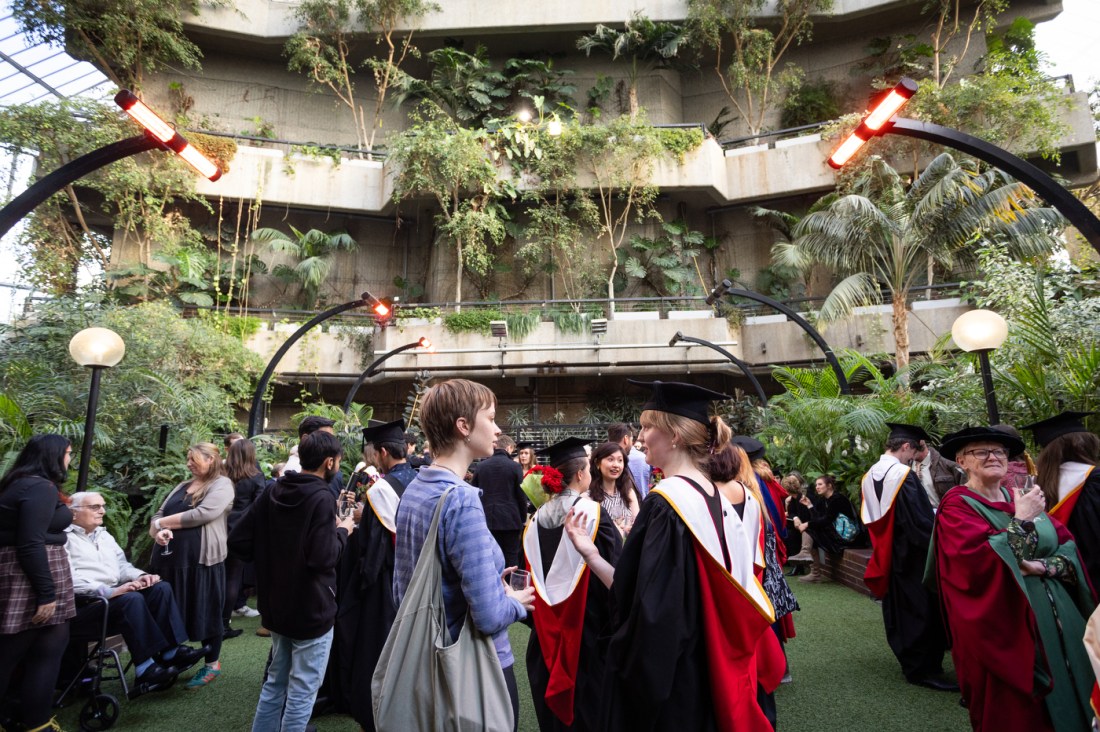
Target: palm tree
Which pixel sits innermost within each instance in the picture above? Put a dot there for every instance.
(314, 251)
(884, 236)
(654, 44)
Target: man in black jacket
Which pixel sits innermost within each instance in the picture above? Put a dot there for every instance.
(293, 535)
(505, 503)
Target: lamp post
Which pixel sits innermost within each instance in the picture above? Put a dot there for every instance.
(370, 371)
(157, 134)
(982, 331)
(680, 337)
(881, 121)
(98, 349)
(381, 310)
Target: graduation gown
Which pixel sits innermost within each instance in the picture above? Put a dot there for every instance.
(364, 599)
(1078, 508)
(588, 602)
(899, 521)
(681, 652)
(1012, 637)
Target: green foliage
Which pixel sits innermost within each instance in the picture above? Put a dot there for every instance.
(348, 427)
(667, 264)
(404, 313)
(809, 102)
(464, 85)
(569, 321)
(779, 281)
(313, 252)
(885, 235)
(814, 428)
(139, 194)
(179, 372)
(471, 321)
(678, 142)
(597, 95)
(126, 39)
(241, 327)
(522, 324)
(188, 275)
(602, 409)
(643, 41)
(748, 56)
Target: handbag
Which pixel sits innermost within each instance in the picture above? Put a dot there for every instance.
(425, 682)
(845, 528)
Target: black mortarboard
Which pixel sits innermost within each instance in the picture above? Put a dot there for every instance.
(566, 450)
(912, 432)
(391, 432)
(753, 447)
(956, 441)
(524, 445)
(1048, 430)
(685, 400)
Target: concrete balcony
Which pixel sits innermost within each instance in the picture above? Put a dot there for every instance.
(274, 21)
(635, 344)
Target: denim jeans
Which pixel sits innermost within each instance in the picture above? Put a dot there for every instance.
(293, 679)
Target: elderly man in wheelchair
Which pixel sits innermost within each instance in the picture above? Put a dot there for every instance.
(139, 606)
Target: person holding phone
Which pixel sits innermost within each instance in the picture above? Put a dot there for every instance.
(1014, 594)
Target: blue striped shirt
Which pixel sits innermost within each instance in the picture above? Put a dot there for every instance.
(472, 560)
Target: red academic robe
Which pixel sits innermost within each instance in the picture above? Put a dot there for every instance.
(993, 630)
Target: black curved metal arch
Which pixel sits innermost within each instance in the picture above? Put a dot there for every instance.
(733, 359)
(373, 368)
(723, 290)
(1065, 202)
(258, 396)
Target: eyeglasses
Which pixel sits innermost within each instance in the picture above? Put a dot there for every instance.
(986, 454)
(94, 506)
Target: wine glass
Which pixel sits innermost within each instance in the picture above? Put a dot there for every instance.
(1023, 482)
(345, 507)
(167, 548)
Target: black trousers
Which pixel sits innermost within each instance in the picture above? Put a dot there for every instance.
(510, 543)
(148, 620)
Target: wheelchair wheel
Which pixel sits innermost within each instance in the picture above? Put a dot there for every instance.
(99, 713)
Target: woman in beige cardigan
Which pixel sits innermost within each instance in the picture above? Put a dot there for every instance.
(191, 527)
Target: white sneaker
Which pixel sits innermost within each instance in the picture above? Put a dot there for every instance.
(244, 611)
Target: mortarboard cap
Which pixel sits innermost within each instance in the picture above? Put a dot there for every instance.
(1048, 430)
(956, 441)
(391, 432)
(524, 445)
(685, 400)
(912, 432)
(566, 450)
(753, 447)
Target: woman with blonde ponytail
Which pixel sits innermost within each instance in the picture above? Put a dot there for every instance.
(688, 611)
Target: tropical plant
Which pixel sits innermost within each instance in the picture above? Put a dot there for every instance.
(667, 264)
(126, 39)
(464, 85)
(189, 276)
(314, 252)
(887, 236)
(645, 42)
(748, 56)
(348, 425)
(437, 157)
(814, 428)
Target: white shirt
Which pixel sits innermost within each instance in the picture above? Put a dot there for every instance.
(98, 563)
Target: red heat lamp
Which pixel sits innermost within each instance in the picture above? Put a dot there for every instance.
(875, 123)
(166, 134)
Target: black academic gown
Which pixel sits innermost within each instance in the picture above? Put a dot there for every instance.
(914, 627)
(656, 675)
(1084, 524)
(586, 699)
(365, 612)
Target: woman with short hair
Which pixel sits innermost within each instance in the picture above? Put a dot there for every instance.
(458, 418)
(190, 528)
(36, 583)
(1014, 595)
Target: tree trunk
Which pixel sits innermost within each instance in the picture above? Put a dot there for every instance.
(458, 275)
(633, 97)
(901, 333)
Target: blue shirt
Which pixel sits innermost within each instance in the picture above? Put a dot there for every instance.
(639, 471)
(472, 560)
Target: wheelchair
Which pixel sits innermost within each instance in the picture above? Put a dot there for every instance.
(101, 663)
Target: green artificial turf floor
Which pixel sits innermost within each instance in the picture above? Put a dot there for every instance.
(845, 678)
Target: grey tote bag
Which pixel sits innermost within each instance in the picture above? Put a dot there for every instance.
(423, 682)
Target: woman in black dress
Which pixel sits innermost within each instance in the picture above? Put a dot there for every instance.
(191, 528)
(248, 483)
(823, 525)
(36, 584)
(571, 606)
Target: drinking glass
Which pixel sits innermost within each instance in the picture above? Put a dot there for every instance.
(1023, 482)
(167, 548)
(520, 579)
(346, 505)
